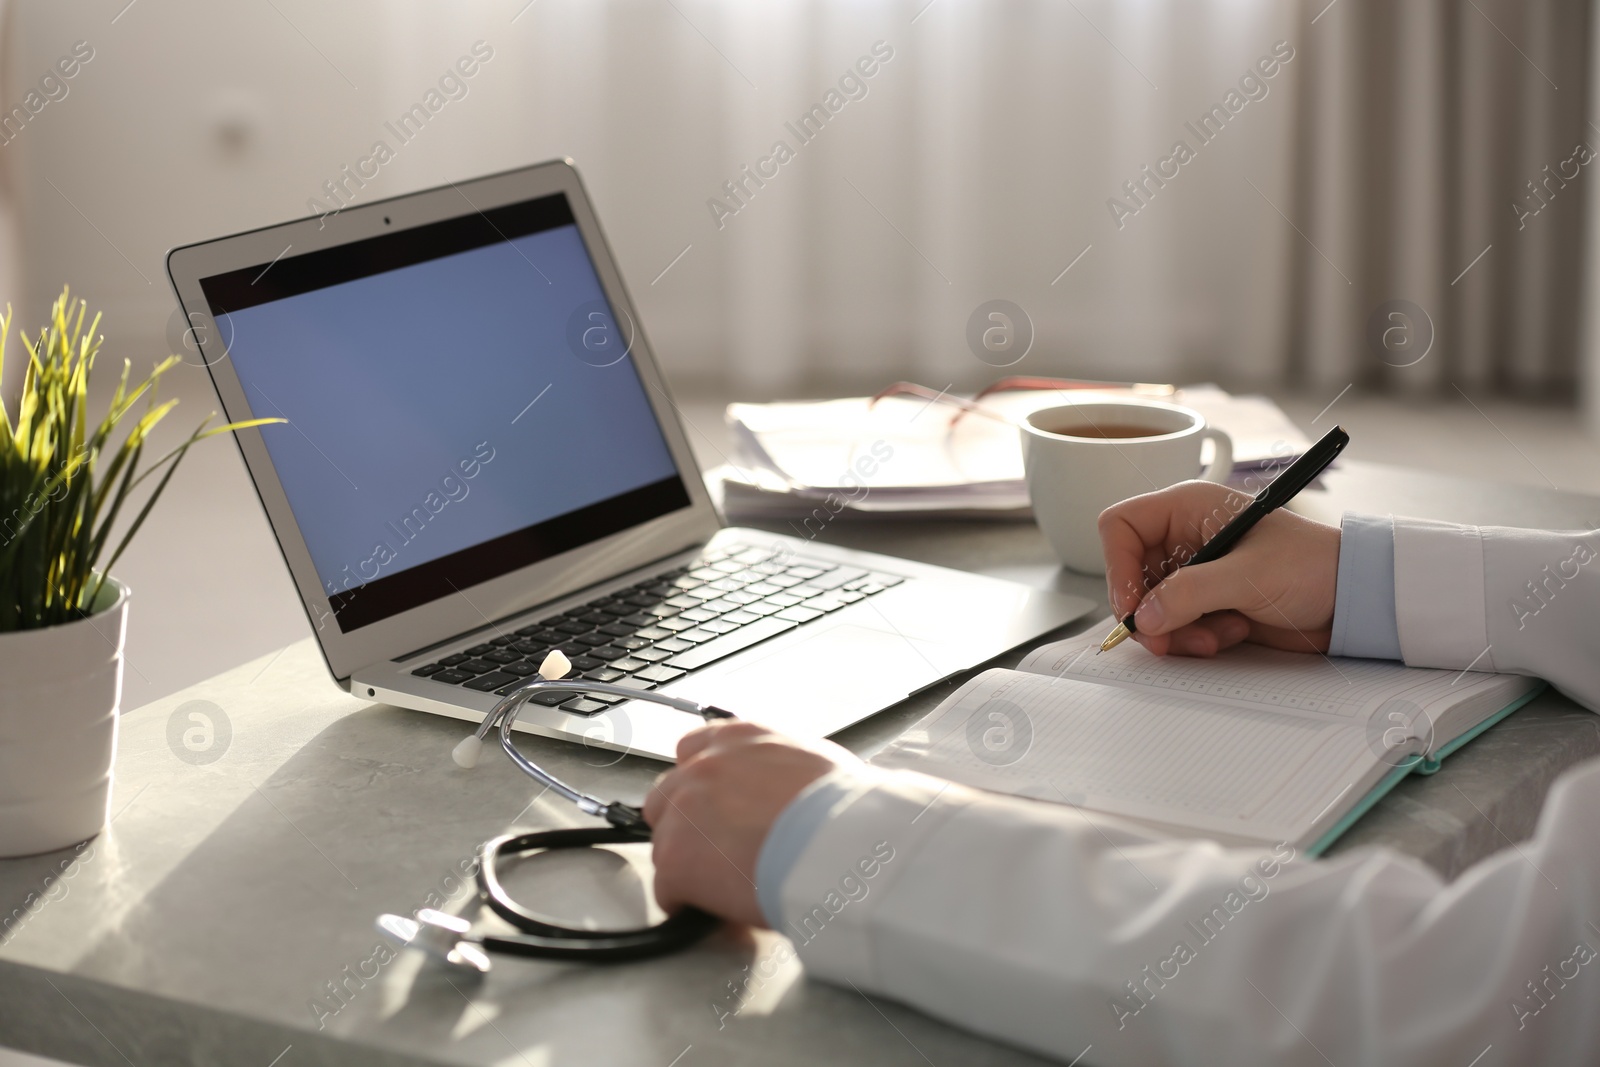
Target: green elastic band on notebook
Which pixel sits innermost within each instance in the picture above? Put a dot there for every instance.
(1420, 764)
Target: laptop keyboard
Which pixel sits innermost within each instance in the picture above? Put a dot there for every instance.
(658, 630)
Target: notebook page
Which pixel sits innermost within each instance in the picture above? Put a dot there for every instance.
(1157, 756)
(1297, 683)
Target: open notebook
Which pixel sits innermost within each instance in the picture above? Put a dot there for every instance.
(1252, 746)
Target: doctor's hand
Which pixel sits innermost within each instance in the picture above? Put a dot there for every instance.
(710, 814)
(1276, 587)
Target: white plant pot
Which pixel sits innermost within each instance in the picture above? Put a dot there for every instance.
(60, 692)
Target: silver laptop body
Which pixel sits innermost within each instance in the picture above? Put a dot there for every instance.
(482, 461)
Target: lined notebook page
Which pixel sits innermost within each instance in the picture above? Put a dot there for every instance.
(1269, 679)
(1157, 756)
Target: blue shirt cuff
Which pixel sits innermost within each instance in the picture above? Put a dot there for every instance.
(791, 832)
(1364, 620)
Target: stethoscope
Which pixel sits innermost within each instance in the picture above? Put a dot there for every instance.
(449, 938)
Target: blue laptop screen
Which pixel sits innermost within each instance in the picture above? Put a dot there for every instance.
(459, 403)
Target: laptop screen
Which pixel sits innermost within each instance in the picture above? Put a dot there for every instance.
(460, 403)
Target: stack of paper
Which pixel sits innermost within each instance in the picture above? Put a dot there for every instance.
(905, 455)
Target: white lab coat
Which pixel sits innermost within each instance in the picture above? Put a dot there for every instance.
(1026, 922)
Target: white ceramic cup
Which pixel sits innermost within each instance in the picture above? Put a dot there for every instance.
(1074, 473)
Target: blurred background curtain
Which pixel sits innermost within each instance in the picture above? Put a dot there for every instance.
(1430, 135)
(983, 161)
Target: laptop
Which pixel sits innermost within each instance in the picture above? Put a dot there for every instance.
(482, 462)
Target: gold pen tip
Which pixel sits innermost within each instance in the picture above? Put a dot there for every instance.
(1116, 637)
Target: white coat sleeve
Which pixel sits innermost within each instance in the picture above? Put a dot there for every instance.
(1501, 599)
(1033, 924)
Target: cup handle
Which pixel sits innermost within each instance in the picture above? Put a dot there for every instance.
(1222, 455)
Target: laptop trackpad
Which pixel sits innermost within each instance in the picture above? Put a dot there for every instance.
(822, 683)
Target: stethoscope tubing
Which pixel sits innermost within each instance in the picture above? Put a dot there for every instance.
(547, 940)
(540, 938)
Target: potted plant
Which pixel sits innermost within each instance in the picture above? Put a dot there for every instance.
(63, 481)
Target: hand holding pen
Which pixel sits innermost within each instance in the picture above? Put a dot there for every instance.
(1274, 587)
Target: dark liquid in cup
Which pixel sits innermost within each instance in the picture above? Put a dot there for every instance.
(1108, 431)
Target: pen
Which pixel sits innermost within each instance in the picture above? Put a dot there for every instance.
(1282, 489)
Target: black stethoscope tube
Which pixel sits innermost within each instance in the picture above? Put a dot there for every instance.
(548, 940)
(539, 937)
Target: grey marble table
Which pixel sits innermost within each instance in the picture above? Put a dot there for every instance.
(225, 917)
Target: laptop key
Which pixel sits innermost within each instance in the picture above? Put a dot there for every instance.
(728, 644)
(617, 608)
(629, 663)
(593, 640)
(836, 577)
(697, 635)
(652, 655)
(595, 618)
(583, 662)
(849, 596)
(450, 676)
(634, 683)
(887, 580)
(672, 644)
(804, 573)
(478, 650)
(453, 659)
(762, 609)
(608, 653)
(825, 602)
(660, 674)
(501, 640)
(717, 626)
(784, 600)
(799, 613)
(653, 633)
(604, 674)
(583, 706)
(491, 681)
(475, 666)
(501, 655)
(572, 626)
(648, 618)
(698, 615)
(427, 669)
(674, 625)
(632, 643)
(678, 603)
(522, 668)
(739, 618)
